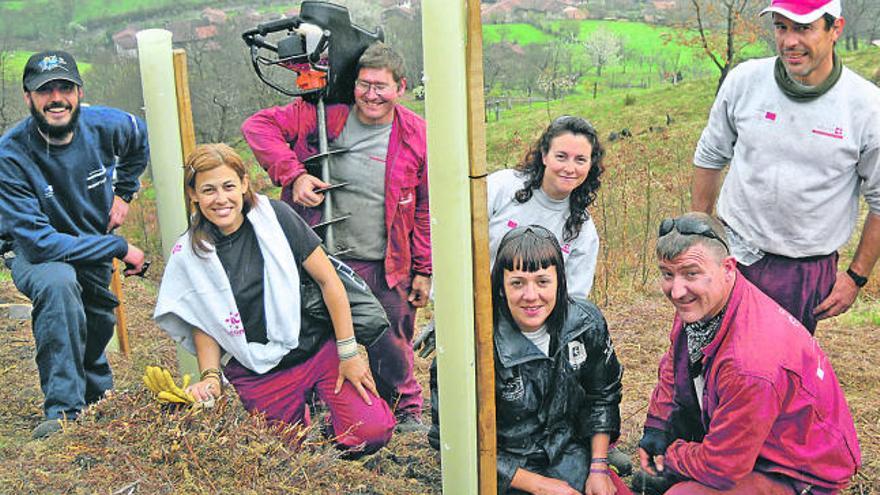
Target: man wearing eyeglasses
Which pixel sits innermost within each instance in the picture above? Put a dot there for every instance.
(800, 134)
(746, 401)
(387, 237)
(67, 174)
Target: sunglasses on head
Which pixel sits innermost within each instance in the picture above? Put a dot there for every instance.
(562, 119)
(534, 229)
(690, 226)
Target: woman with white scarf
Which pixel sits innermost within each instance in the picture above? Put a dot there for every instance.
(232, 285)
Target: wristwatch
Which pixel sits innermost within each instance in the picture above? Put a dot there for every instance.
(859, 280)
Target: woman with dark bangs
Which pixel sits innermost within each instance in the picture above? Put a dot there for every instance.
(552, 187)
(557, 379)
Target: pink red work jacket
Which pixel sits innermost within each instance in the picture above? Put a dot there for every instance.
(771, 402)
(283, 137)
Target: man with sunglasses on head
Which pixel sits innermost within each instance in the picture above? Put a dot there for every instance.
(746, 401)
(800, 134)
(386, 239)
(67, 174)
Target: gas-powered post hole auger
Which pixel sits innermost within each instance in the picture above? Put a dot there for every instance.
(321, 46)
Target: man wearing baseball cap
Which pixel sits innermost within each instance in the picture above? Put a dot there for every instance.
(800, 133)
(67, 174)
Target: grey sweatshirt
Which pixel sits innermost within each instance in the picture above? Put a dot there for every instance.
(796, 168)
(505, 213)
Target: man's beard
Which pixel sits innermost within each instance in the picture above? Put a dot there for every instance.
(55, 131)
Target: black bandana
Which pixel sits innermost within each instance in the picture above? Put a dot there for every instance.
(699, 335)
(799, 92)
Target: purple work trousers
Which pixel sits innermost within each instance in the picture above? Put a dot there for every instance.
(753, 483)
(281, 395)
(797, 284)
(391, 357)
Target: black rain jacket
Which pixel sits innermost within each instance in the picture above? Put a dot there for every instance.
(548, 408)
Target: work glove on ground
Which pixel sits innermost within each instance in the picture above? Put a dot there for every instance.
(426, 342)
(159, 381)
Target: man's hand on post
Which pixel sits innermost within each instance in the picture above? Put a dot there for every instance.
(304, 190)
(842, 296)
(135, 258)
(421, 289)
(118, 212)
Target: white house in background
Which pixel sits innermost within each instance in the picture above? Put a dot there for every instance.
(125, 42)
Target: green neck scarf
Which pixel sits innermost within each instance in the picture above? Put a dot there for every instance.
(799, 92)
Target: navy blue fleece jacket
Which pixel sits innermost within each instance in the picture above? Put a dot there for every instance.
(55, 200)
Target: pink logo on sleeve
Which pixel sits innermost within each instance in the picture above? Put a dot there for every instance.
(233, 324)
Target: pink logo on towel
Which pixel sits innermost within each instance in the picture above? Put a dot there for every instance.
(512, 224)
(234, 324)
(770, 116)
(176, 249)
(566, 248)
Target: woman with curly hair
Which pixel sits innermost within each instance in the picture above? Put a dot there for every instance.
(552, 187)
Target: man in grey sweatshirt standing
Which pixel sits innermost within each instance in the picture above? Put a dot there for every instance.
(801, 134)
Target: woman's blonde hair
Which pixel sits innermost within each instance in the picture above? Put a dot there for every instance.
(202, 159)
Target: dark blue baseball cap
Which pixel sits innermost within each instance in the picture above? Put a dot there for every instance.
(48, 66)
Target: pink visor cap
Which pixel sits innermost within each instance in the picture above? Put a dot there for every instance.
(804, 11)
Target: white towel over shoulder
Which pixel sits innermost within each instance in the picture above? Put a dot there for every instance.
(195, 293)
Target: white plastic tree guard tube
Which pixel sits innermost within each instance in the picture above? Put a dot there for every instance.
(166, 155)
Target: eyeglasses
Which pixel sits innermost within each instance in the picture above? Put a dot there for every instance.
(690, 226)
(381, 89)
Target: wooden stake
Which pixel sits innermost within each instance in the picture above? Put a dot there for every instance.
(486, 439)
(184, 111)
(186, 362)
(121, 323)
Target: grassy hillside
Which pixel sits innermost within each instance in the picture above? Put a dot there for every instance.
(13, 66)
(640, 41)
(84, 11)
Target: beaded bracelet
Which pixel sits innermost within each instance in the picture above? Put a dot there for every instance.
(211, 372)
(599, 460)
(215, 374)
(346, 348)
(605, 471)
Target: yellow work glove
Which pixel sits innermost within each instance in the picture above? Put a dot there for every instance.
(159, 381)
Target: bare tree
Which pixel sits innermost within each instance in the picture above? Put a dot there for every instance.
(724, 27)
(557, 76)
(859, 15)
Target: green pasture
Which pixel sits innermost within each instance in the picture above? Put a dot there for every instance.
(12, 5)
(13, 65)
(520, 33)
(32, 17)
(648, 49)
(87, 10)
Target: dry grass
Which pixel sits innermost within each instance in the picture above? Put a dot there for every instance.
(128, 444)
